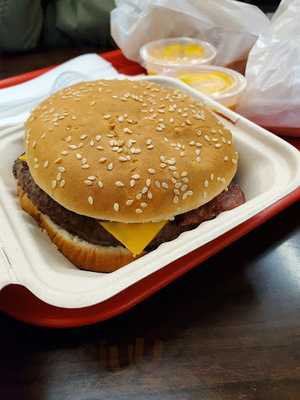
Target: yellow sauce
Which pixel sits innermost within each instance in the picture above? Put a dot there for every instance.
(177, 52)
(209, 82)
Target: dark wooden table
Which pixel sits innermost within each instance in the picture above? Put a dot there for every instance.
(228, 330)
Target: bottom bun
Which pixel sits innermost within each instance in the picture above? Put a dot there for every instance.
(81, 253)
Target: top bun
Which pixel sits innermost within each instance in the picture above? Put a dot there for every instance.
(128, 151)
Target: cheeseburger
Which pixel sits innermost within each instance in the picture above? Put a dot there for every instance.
(112, 169)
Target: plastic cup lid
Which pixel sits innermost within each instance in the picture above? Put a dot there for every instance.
(218, 82)
(178, 52)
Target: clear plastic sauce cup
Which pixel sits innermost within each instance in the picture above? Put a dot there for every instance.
(222, 84)
(165, 56)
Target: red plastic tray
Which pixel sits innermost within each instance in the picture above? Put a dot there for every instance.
(21, 304)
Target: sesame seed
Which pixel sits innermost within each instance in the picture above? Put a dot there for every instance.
(175, 199)
(91, 200)
(148, 141)
(127, 130)
(98, 137)
(110, 166)
(58, 160)
(138, 210)
(58, 176)
(148, 182)
(234, 161)
(34, 144)
(229, 141)
(176, 191)
(87, 182)
(92, 103)
(100, 184)
(61, 169)
(157, 184)
(72, 146)
(151, 171)
(133, 150)
(172, 161)
(92, 178)
(149, 195)
(212, 177)
(116, 207)
(78, 156)
(197, 151)
(182, 154)
(100, 148)
(184, 173)
(145, 189)
(207, 138)
(218, 145)
(129, 202)
(226, 158)
(62, 183)
(82, 137)
(198, 159)
(143, 205)
(163, 165)
(68, 138)
(119, 184)
(92, 143)
(64, 152)
(53, 184)
(106, 116)
(183, 188)
(46, 163)
(164, 185)
(206, 183)
(150, 147)
(138, 196)
(132, 182)
(136, 176)
(120, 118)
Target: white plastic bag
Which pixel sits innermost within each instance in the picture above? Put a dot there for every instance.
(231, 26)
(272, 98)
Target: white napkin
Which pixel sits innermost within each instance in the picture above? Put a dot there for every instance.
(26, 95)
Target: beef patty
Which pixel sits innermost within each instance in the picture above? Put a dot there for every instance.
(90, 230)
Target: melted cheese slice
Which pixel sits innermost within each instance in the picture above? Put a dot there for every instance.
(23, 157)
(134, 236)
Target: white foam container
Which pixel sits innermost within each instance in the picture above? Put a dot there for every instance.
(269, 169)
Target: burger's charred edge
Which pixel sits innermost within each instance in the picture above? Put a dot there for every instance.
(90, 230)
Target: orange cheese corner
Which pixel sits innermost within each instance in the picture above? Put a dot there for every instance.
(135, 237)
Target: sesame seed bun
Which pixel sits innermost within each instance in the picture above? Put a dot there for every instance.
(128, 151)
